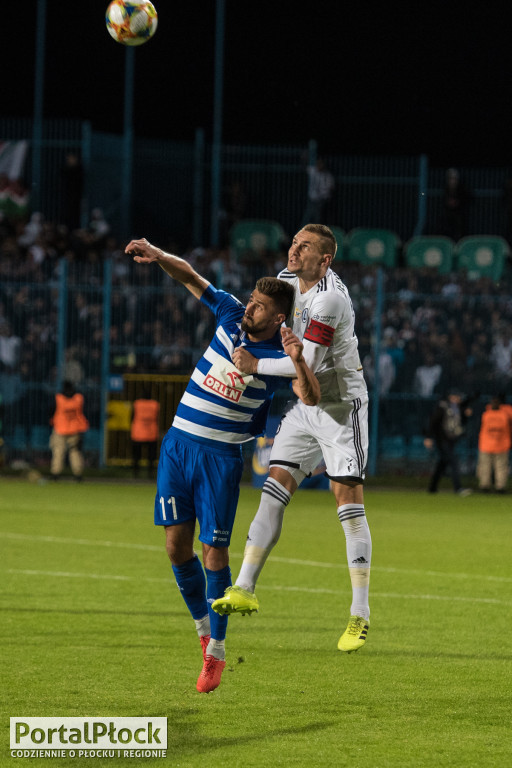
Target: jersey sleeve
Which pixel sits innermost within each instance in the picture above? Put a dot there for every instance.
(325, 314)
(224, 306)
(313, 355)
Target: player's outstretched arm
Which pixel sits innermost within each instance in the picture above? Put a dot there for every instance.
(306, 385)
(247, 363)
(145, 253)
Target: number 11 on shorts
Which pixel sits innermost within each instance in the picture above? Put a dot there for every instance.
(171, 501)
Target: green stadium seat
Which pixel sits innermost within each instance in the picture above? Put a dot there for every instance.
(430, 251)
(373, 246)
(250, 238)
(482, 255)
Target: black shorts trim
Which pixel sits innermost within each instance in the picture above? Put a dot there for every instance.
(357, 480)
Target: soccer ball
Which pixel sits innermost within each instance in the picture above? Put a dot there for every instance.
(131, 22)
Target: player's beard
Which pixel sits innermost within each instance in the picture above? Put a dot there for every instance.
(250, 326)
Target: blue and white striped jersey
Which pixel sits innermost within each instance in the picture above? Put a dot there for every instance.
(220, 403)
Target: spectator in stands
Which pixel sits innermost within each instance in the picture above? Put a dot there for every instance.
(427, 376)
(93, 239)
(387, 371)
(14, 203)
(10, 347)
(320, 192)
(394, 347)
(233, 210)
(445, 428)
(494, 443)
(478, 374)
(456, 202)
(98, 228)
(32, 230)
(4, 197)
(407, 371)
(73, 368)
(73, 187)
(501, 355)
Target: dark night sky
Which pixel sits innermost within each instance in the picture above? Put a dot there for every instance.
(394, 79)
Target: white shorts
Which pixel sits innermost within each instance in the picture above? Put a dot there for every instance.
(335, 432)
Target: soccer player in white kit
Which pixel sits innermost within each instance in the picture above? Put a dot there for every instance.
(335, 430)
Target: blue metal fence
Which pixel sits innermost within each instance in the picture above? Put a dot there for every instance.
(96, 322)
(171, 184)
(95, 316)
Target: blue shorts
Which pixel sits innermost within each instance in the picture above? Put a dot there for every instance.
(198, 480)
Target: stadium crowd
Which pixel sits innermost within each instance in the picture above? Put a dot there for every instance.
(436, 330)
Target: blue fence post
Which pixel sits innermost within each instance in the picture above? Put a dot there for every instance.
(127, 170)
(374, 437)
(422, 196)
(312, 151)
(217, 122)
(37, 125)
(105, 357)
(198, 201)
(62, 321)
(86, 152)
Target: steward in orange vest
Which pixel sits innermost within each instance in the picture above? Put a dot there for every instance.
(494, 443)
(145, 432)
(144, 427)
(69, 418)
(69, 423)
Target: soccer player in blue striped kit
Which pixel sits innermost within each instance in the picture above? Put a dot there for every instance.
(201, 462)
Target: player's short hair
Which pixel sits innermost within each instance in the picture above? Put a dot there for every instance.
(328, 242)
(280, 291)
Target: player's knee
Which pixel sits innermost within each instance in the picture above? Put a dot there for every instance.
(178, 545)
(215, 558)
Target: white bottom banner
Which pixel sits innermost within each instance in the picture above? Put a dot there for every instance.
(89, 733)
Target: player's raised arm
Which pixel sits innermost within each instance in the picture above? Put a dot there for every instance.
(306, 385)
(145, 253)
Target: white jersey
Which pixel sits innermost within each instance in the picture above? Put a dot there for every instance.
(325, 316)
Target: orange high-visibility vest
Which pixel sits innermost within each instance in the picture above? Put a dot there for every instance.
(495, 431)
(69, 418)
(145, 421)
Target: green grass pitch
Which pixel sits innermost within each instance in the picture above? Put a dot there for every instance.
(93, 624)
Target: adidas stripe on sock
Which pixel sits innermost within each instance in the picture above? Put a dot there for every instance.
(359, 555)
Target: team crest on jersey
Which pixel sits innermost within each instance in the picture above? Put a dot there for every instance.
(305, 313)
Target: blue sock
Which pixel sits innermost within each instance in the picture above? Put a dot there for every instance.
(216, 584)
(191, 582)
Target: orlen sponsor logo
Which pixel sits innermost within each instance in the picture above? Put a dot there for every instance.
(224, 390)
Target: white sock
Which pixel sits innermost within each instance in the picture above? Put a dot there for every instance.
(203, 625)
(264, 532)
(359, 555)
(217, 649)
